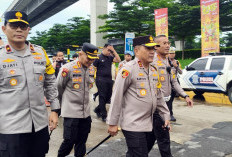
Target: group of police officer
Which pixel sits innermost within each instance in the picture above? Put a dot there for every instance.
(138, 105)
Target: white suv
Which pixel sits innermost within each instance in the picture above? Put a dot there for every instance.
(208, 74)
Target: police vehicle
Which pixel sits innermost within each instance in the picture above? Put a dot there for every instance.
(208, 74)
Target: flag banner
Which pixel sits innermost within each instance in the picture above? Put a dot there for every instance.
(161, 21)
(210, 40)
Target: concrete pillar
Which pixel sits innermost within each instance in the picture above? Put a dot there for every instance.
(97, 7)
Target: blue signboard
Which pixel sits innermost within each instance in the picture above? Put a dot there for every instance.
(129, 43)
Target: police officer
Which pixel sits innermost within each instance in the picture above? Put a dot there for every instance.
(104, 78)
(127, 58)
(175, 65)
(135, 97)
(74, 81)
(168, 80)
(26, 76)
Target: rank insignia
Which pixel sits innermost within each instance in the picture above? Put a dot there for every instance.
(162, 78)
(12, 72)
(78, 64)
(37, 58)
(141, 74)
(143, 92)
(13, 82)
(32, 48)
(41, 78)
(64, 72)
(8, 60)
(8, 49)
(76, 86)
(140, 64)
(125, 73)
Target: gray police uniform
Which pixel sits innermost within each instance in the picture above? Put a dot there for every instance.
(74, 82)
(134, 100)
(25, 78)
(24, 81)
(168, 80)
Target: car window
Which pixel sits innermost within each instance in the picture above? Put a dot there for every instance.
(217, 63)
(199, 64)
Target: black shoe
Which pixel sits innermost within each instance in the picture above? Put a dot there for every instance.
(173, 119)
(97, 112)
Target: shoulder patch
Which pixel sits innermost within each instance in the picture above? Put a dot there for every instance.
(64, 72)
(125, 73)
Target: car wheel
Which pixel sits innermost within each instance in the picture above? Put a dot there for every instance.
(230, 94)
(198, 92)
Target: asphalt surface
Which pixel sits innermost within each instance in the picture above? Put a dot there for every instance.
(202, 131)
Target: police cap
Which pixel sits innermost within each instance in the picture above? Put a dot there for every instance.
(16, 16)
(90, 50)
(147, 41)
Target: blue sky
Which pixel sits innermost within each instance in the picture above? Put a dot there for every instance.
(80, 9)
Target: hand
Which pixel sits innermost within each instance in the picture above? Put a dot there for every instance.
(53, 120)
(189, 101)
(110, 47)
(113, 130)
(167, 125)
(174, 63)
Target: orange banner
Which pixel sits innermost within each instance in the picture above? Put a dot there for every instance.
(210, 42)
(161, 21)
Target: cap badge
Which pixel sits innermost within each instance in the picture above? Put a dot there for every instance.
(95, 51)
(19, 15)
(151, 39)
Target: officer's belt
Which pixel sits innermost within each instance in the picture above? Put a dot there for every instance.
(167, 98)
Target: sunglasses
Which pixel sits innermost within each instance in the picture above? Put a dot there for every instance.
(21, 25)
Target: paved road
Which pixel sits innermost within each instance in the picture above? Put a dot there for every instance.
(202, 131)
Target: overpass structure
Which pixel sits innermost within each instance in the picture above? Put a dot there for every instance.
(40, 10)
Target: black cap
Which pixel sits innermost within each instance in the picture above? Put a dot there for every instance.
(16, 16)
(90, 50)
(147, 41)
(75, 55)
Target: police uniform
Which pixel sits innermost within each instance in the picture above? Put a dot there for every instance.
(26, 76)
(134, 100)
(74, 82)
(168, 80)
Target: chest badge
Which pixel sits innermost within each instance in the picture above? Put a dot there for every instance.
(143, 92)
(13, 82)
(12, 72)
(76, 86)
(162, 78)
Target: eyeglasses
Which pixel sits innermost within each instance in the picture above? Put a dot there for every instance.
(16, 25)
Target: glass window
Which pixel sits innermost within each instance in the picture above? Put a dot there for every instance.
(217, 63)
(199, 64)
